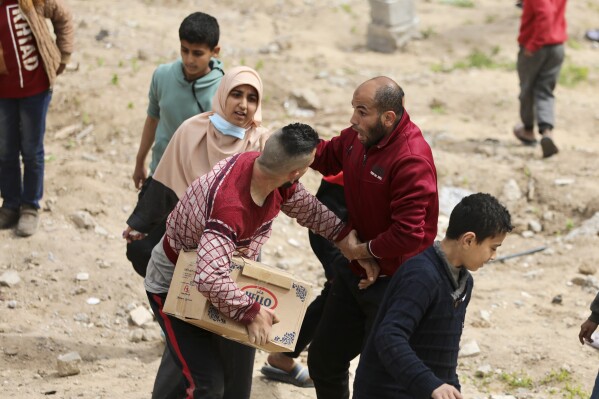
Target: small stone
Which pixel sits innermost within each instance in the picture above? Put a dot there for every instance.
(11, 351)
(527, 234)
(511, 191)
(136, 335)
(535, 226)
(93, 301)
(68, 364)
(483, 371)
(581, 281)
(485, 315)
(83, 220)
(587, 270)
(152, 335)
(82, 276)
(140, 316)
(10, 278)
(306, 99)
(557, 300)
(82, 318)
(12, 304)
(563, 182)
(469, 349)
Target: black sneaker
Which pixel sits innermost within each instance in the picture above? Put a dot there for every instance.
(8, 217)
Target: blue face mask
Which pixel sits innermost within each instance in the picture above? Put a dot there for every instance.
(227, 128)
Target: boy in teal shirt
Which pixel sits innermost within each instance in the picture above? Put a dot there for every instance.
(181, 89)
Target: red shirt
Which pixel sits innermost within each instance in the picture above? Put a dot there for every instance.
(390, 191)
(25, 74)
(543, 23)
(218, 218)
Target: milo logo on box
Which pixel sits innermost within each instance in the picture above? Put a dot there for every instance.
(261, 295)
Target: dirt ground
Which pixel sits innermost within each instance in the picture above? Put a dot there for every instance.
(461, 89)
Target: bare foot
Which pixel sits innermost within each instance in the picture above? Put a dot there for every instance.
(281, 362)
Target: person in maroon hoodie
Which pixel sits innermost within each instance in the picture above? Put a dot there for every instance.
(30, 60)
(542, 36)
(390, 184)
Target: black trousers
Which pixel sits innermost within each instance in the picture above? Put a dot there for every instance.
(213, 367)
(346, 321)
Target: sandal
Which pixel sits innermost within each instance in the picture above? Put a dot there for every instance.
(299, 376)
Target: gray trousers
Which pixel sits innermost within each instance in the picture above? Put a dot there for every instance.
(538, 75)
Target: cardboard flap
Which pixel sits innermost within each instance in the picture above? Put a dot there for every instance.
(260, 272)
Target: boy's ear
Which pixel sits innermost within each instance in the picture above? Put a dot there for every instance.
(468, 239)
(216, 51)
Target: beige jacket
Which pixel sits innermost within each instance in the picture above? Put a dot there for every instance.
(53, 53)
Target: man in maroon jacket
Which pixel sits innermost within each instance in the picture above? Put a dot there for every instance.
(542, 36)
(391, 194)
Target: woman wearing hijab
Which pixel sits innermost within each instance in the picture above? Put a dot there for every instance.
(233, 126)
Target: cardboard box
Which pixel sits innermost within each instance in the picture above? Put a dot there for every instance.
(271, 287)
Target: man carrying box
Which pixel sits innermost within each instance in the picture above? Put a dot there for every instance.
(229, 211)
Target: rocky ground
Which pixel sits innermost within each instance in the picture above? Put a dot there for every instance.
(69, 288)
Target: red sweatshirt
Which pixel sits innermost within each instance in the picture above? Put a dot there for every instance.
(24, 74)
(390, 191)
(543, 23)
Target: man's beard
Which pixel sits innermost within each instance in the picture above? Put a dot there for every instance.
(375, 134)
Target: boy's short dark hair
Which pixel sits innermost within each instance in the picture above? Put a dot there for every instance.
(481, 214)
(200, 28)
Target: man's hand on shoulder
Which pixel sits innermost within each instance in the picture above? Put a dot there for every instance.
(446, 391)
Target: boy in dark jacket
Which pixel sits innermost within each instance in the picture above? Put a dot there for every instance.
(412, 351)
(585, 336)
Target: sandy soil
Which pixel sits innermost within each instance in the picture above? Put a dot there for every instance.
(528, 342)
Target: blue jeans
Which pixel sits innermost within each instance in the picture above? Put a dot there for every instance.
(22, 128)
(595, 394)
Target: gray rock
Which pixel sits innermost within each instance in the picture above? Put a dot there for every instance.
(68, 364)
(83, 220)
(306, 99)
(564, 181)
(82, 276)
(469, 348)
(449, 198)
(140, 316)
(82, 318)
(10, 278)
(535, 226)
(483, 371)
(589, 227)
(136, 335)
(151, 335)
(511, 191)
(527, 234)
(12, 304)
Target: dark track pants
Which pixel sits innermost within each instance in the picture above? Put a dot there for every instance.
(213, 367)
